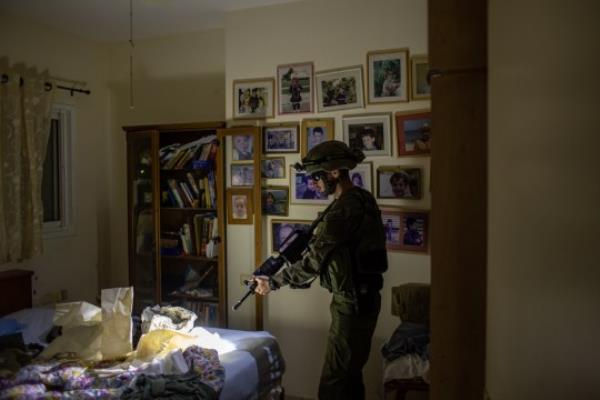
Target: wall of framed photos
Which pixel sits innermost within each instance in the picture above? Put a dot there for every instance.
(312, 71)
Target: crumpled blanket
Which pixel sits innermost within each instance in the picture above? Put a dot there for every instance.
(63, 379)
(169, 317)
(408, 338)
(183, 386)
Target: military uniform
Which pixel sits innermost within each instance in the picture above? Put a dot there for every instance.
(347, 253)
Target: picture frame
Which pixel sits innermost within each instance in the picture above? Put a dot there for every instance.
(399, 182)
(253, 98)
(420, 89)
(281, 228)
(362, 176)
(239, 206)
(387, 76)
(340, 89)
(413, 132)
(315, 131)
(242, 175)
(272, 168)
(303, 189)
(295, 88)
(370, 133)
(242, 147)
(281, 138)
(406, 230)
(275, 200)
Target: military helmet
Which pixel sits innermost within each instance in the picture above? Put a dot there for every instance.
(330, 155)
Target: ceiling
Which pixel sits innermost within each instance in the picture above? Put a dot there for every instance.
(108, 20)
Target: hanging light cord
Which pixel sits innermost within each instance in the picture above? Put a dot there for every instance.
(131, 46)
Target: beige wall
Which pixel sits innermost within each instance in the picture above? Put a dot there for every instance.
(544, 191)
(331, 34)
(71, 262)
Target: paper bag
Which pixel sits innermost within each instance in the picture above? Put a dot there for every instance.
(117, 304)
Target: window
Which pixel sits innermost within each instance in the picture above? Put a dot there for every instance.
(56, 182)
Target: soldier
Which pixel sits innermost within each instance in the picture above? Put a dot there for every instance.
(347, 253)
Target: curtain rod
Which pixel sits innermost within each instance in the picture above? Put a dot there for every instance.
(48, 85)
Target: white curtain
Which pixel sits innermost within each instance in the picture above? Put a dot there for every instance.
(25, 113)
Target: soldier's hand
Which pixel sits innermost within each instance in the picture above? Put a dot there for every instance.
(262, 283)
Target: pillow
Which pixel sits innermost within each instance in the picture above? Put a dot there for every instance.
(37, 323)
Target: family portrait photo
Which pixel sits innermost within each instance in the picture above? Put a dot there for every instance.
(419, 87)
(399, 183)
(239, 206)
(304, 189)
(370, 133)
(275, 200)
(316, 131)
(414, 132)
(339, 89)
(295, 88)
(281, 229)
(362, 176)
(243, 147)
(242, 174)
(280, 138)
(413, 231)
(272, 168)
(253, 98)
(387, 72)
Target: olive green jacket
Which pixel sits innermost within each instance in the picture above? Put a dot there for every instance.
(352, 223)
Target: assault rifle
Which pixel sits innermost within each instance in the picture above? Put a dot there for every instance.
(291, 250)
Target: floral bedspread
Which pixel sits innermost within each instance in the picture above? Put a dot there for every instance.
(64, 379)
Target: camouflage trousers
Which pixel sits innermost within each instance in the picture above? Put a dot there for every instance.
(348, 347)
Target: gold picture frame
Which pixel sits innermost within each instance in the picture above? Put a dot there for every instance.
(419, 86)
(240, 209)
(315, 131)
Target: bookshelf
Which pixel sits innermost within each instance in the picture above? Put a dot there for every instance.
(175, 209)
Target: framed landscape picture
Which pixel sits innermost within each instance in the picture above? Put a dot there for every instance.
(272, 168)
(399, 182)
(253, 98)
(282, 228)
(295, 88)
(362, 176)
(419, 87)
(413, 129)
(275, 200)
(370, 133)
(387, 76)
(339, 89)
(304, 190)
(314, 132)
(239, 206)
(281, 138)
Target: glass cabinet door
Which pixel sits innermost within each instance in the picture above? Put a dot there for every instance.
(142, 242)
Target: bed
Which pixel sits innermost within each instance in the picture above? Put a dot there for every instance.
(250, 366)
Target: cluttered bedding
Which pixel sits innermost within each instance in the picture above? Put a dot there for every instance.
(80, 351)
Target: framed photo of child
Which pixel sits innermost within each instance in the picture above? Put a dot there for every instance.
(370, 133)
(253, 98)
(387, 76)
(281, 229)
(239, 206)
(272, 167)
(314, 132)
(339, 89)
(242, 147)
(399, 182)
(362, 176)
(295, 88)
(242, 175)
(275, 200)
(413, 129)
(419, 86)
(281, 138)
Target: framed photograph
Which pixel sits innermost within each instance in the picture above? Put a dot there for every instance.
(395, 182)
(253, 98)
(295, 88)
(387, 76)
(315, 131)
(304, 190)
(242, 147)
(275, 200)
(370, 133)
(272, 168)
(239, 206)
(282, 228)
(242, 175)
(362, 176)
(419, 87)
(281, 138)
(339, 89)
(414, 132)
(406, 230)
